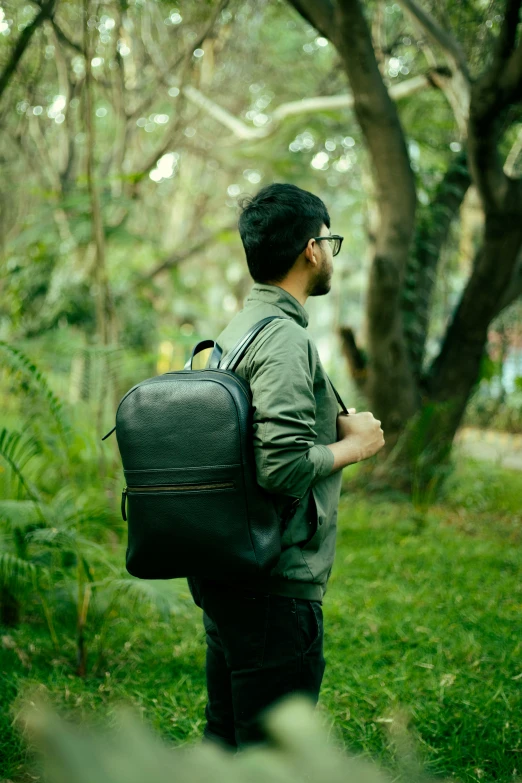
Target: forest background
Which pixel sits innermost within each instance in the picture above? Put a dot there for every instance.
(129, 130)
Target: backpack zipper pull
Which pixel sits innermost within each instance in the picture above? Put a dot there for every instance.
(123, 499)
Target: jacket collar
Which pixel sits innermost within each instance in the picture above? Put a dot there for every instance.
(274, 294)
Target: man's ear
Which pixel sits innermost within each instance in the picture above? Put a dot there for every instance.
(311, 250)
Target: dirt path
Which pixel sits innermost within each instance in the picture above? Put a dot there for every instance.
(501, 447)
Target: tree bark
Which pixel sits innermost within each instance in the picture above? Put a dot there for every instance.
(430, 237)
(421, 410)
(105, 315)
(453, 375)
(46, 12)
(396, 399)
(355, 357)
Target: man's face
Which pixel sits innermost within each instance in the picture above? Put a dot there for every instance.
(320, 283)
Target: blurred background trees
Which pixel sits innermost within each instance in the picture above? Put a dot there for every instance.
(130, 129)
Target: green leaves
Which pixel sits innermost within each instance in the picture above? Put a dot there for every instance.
(22, 366)
(298, 750)
(17, 449)
(489, 368)
(159, 594)
(18, 513)
(56, 517)
(16, 572)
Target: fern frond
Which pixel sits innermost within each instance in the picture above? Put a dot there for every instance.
(17, 453)
(106, 363)
(19, 362)
(15, 572)
(59, 537)
(135, 593)
(18, 513)
(73, 507)
(88, 544)
(93, 523)
(15, 448)
(63, 506)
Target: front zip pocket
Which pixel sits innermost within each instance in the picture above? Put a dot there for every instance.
(173, 488)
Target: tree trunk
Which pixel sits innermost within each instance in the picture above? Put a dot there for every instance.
(420, 410)
(46, 12)
(105, 313)
(432, 230)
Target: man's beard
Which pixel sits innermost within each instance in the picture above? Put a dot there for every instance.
(322, 283)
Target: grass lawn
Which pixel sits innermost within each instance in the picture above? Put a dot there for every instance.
(421, 624)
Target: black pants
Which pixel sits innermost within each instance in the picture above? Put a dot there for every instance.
(259, 648)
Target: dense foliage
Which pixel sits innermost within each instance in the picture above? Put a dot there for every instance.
(130, 128)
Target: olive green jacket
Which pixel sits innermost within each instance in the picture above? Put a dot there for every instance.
(294, 418)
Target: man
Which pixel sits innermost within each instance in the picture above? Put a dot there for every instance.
(265, 639)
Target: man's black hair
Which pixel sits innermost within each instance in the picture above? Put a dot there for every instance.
(275, 226)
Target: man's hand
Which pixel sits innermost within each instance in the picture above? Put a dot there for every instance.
(342, 424)
(362, 429)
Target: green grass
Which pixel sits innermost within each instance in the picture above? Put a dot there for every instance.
(423, 624)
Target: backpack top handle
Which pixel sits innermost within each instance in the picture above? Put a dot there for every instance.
(235, 354)
(197, 348)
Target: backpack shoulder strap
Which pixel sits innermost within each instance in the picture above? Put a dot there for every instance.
(235, 355)
(341, 403)
(238, 351)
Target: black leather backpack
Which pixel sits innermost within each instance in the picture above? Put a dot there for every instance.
(192, 502)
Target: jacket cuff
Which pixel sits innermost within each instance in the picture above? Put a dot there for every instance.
(324, 459)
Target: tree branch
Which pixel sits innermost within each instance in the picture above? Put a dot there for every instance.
(449, 44)
(65, 39)
(305, 106)
(356, 358)
(493, 284)
(104, 306)
(318, 13)
(177, 258)
(514, 289)
(165, 144)
(65, 146)
(511, 79)
(498, 87)
(507, 36)
(454, 81)
(45, 165)
(380, 124)
(165, 73)
(238, 127)
(46, 12)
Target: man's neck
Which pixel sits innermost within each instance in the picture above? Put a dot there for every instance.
(293, 289)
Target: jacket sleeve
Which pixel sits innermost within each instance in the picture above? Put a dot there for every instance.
(288, 461)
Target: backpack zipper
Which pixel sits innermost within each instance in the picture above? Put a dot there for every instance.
(172, 488)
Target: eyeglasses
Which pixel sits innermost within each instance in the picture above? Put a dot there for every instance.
(335, 239)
